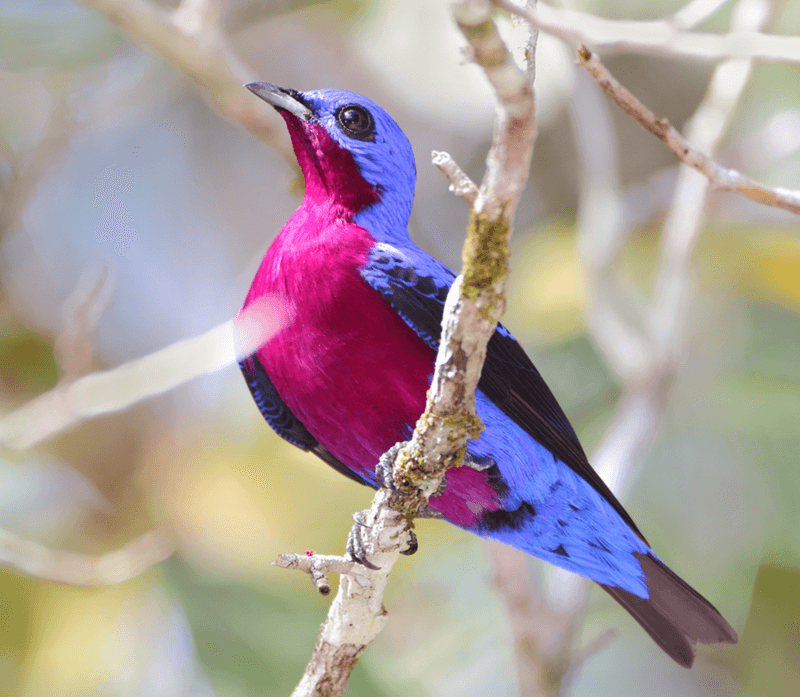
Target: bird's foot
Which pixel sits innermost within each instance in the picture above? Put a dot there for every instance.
(481, 463)
(384, 470)
(384, 475)
(357, 548)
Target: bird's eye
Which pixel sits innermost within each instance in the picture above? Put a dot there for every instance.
(356, 121)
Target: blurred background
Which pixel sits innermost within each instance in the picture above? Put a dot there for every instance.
(117, 178)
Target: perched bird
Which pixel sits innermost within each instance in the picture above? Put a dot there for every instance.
(347, 375)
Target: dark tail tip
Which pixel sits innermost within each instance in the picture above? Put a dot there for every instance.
(675, 615)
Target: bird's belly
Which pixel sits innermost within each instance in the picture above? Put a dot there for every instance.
(354, 373)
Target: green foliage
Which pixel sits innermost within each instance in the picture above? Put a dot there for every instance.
(767, 659)
(255, 641)
(27, 363)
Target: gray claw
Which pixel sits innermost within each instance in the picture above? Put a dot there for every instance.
(413, 544)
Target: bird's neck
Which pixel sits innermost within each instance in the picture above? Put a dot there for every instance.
(337, 188)
(386, 219)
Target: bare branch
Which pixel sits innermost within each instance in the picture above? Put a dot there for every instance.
(123, 564)
(191, 39)
(543, 636)
(508, 160)
(656, 37)
(318, 566)
(721, 178)
(112, 390)
(356, 615)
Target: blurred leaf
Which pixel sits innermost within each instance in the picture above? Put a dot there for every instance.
(14, 629)
(761, 263)
(546, 288)
(27, 362)
(767, 659)
(254, 641)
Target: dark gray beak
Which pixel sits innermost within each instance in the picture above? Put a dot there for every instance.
(282, 99)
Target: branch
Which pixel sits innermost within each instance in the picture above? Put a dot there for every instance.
(113, 390)
(123, 564)
(318, 566)
(191, 39)
(662, 37)
(721, 178)
(356, 616)
(473, 307)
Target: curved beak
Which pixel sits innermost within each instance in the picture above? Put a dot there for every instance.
(282, 99)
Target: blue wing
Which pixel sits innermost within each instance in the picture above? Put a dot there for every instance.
(416, 286)
(283, 421)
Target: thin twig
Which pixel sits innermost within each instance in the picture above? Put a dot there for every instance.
(112, 390)
(460, 183)
(318, 566)
(656, 37)
(543, 636)
(73, 347)
(721, 178)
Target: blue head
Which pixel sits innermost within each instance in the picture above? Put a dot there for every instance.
(353, 156)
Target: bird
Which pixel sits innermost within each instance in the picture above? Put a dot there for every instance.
(346, 375)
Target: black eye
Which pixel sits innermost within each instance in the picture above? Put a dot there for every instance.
(356, 121)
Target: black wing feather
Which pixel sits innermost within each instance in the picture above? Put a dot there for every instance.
(283, 421)
(416, 287)
(675, 615)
